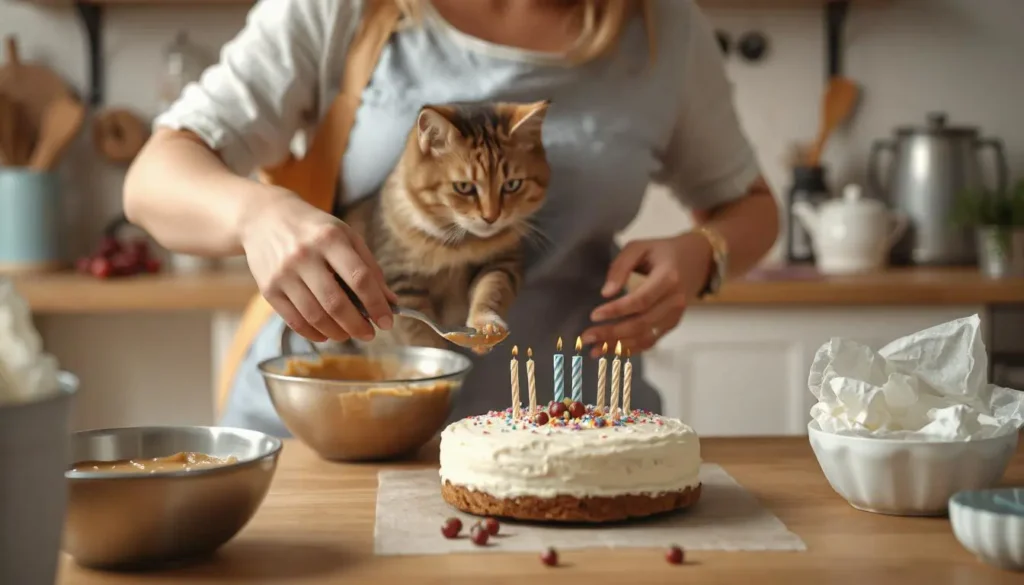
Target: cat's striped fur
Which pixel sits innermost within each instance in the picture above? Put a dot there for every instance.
(447, 226)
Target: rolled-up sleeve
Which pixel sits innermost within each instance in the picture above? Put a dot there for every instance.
(708, 161)
(264, 88)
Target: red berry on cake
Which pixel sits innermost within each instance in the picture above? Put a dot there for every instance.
(492, 526)
(549, 557)
(557, 409)
(541, 418)
(577, 410)
(674, 555)
(479, 535)
(451, 527)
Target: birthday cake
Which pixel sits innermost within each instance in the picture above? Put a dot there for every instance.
(570, 463)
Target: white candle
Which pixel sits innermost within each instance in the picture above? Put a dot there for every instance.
(514, 367)
(602, 377)
(616, 378)
(531, 381)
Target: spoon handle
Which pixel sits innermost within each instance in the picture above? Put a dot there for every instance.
(354, 298)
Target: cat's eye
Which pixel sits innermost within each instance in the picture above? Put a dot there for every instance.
(511, 185)
(464, 188)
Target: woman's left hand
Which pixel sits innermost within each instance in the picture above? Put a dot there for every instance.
(677, 269)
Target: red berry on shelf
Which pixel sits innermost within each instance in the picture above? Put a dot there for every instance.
(557, 410)
(577, 410)
(152, 265)
(492, 526)
(451, 527)
(478, 534)
(674, 555)
(549, 557)
(109, 246)
(541, 418)
(101, 267)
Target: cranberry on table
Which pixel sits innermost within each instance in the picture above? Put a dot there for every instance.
(674, 555)
(492, 526)
(577, 410)
(549, 557)
(557, 410)
(451, 527)
(479, 535)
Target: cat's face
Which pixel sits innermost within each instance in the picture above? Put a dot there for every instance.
(478, 169)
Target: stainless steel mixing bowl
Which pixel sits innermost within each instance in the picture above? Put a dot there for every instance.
(357, 420)
(127, 520)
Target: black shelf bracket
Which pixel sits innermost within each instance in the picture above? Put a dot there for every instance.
(91, 17)
(835, 21)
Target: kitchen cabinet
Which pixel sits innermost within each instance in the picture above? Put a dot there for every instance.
(735, 371)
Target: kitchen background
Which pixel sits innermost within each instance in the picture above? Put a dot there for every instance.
(910, 57)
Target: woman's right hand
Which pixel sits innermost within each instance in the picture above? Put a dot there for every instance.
(294, 251)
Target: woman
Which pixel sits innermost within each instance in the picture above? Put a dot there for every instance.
(638, 93)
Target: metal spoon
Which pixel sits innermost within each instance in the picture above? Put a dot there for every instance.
(467, 337)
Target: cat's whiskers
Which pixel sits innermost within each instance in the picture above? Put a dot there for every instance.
(532, 234)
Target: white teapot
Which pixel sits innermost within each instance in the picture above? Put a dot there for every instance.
(852, 234)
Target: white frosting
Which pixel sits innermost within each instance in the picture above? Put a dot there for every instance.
(491, 454)
(26, 372)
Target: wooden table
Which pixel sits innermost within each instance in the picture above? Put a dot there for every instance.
(316, 527)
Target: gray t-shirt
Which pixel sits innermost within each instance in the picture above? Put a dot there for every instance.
(615, 125)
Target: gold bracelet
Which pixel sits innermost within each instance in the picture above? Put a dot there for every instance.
(719, 259)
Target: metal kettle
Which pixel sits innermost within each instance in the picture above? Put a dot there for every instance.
(931, 166)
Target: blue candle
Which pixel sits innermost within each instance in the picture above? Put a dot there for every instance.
(577, 373)
(559, 375)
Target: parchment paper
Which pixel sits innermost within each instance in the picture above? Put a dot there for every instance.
(410, 512)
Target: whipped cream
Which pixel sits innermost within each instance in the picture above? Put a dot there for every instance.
(931, 385)
(27, 373)
(647, 454)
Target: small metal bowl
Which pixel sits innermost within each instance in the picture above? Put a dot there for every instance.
(119, 520)
(358, 420)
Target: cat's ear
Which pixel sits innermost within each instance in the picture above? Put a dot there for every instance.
(527, 120)
(434, 132)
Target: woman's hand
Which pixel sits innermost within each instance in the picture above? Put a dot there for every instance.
(294, 251)
(676, 268)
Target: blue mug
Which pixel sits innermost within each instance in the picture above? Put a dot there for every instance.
(30, 231)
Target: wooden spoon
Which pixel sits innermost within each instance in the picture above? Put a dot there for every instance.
(33, 87)
(837, 105)
(8, 138)
(62, 120)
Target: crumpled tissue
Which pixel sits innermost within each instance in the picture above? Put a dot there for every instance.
(27, 373)
(931, 385)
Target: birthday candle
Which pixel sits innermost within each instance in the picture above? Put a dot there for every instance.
(616, 377)
(531, 381)
(627, 384)
(577, 373)
(559, 374)
(602, 376)
(514, 367)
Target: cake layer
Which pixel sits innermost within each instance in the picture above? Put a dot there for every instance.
(569, 508)
(641, 454)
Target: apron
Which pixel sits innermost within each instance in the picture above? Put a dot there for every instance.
(316, 176)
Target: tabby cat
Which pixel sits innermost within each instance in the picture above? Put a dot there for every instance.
(449, 223)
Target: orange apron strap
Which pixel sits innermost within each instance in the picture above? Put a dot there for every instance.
(315, 177)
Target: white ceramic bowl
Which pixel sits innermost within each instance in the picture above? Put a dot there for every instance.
(908, 478)
(990, 524)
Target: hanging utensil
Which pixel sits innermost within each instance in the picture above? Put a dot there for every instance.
(61, 122)
(838, 103)
(33, 87)
(8, 128)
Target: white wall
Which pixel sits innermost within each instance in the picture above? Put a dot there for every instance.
(910, 56)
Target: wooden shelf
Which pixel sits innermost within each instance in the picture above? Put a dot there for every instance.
(68, 293)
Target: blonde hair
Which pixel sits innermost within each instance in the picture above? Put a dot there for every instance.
(603, 23)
